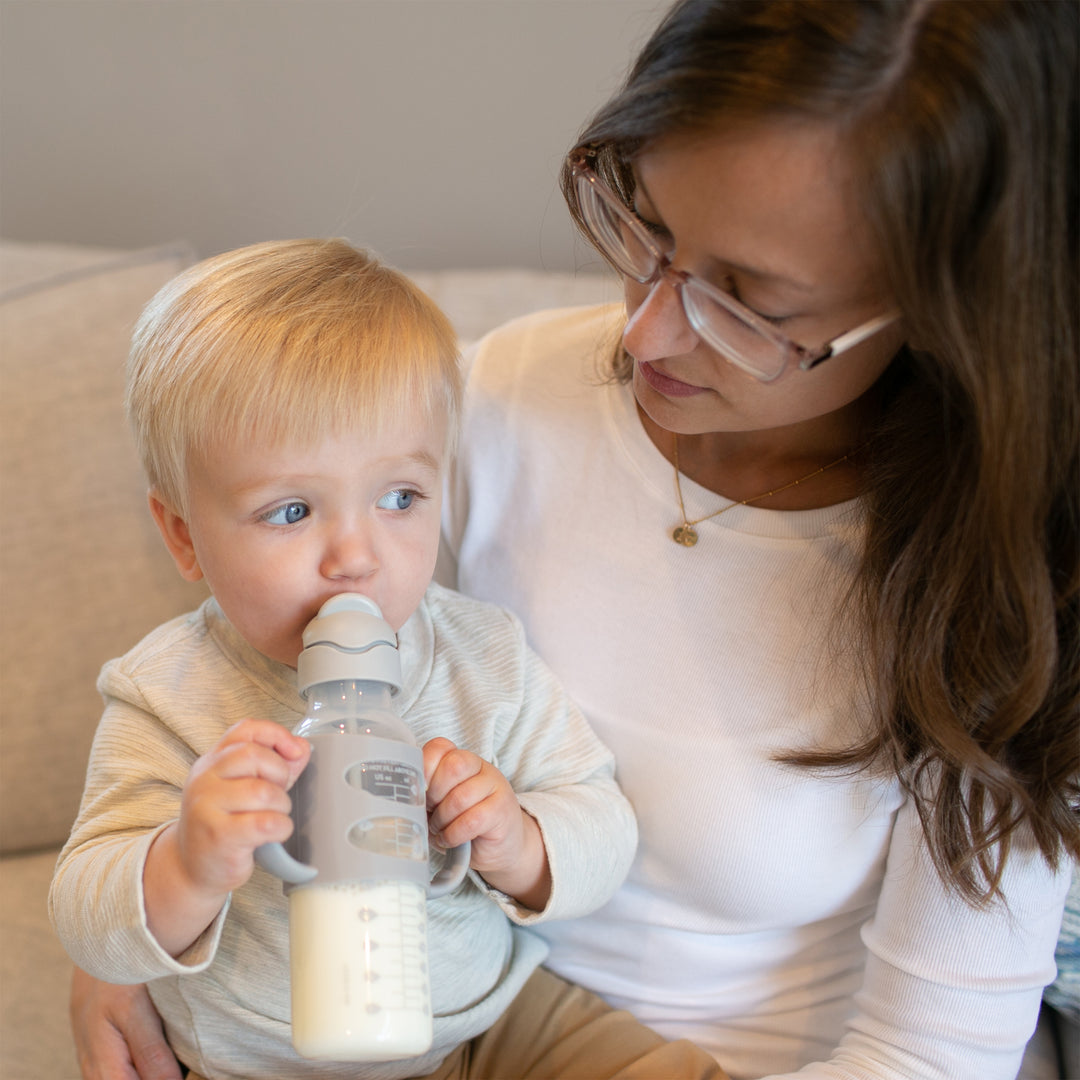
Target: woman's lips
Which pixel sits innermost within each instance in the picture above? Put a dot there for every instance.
(664, 384)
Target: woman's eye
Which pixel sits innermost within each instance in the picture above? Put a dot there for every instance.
(658, 232)
(398, 499)
(287, 514)
(731, 288)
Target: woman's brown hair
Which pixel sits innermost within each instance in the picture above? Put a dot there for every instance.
(962, 121)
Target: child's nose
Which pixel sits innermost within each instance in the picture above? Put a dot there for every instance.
(350, 554)
(657, 327)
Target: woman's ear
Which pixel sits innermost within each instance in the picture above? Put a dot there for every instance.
(177, 536)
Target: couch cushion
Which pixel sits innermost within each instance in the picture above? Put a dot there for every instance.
(83, 574)
(35, 976)
(477, 301)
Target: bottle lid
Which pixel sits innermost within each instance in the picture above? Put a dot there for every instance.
(348, 639)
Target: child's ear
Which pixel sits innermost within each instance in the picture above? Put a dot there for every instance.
(177, 536)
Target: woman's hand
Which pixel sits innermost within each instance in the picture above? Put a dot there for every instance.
(469, 799)
(118, 1034)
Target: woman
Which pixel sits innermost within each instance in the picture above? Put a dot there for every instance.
(799, 528)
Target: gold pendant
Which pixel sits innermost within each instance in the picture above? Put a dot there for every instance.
(685, 535)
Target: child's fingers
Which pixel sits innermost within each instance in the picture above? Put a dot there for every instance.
(258, 748)
(222, 821)
(267, 733)
(250, 828)
(454, 766)
(218, 852)
(248, 759)
(462, 803)
(215, 793)
(434, 751)
(469, 799)
(485, 822)
(235, 798)
(232, 834)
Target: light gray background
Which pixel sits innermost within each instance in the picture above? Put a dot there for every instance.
(429, 130)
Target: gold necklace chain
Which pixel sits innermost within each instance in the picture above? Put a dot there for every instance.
(686, 534)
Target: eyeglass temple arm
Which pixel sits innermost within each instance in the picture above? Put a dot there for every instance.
(848, 340)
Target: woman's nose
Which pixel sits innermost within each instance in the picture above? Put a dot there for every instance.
(657, 326)
(349, 555)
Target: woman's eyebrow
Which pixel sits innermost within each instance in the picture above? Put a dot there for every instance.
(757, 273)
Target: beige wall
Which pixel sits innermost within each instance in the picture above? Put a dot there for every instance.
(430, 130)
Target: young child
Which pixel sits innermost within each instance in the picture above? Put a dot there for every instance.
(294, 405)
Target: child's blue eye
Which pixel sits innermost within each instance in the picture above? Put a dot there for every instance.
(398, 499)
(287, 514)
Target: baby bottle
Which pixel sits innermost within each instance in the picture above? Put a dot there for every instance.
(356, 867)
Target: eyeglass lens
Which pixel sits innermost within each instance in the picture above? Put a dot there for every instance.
(613, 234)
(744, 344)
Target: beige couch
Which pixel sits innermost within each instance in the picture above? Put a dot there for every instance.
(83, 574)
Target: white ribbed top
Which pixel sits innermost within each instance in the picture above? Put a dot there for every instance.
(776, 916)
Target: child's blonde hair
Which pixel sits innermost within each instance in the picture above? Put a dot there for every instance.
(283, 341)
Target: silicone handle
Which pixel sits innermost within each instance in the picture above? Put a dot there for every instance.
(274, 859)
(452, 871)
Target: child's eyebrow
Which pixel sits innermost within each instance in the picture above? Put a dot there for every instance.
(269, 483)
(424, 458)
(429, 460)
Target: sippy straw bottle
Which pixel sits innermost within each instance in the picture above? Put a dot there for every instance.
(356, 868)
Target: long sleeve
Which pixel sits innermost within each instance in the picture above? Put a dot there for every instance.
(950, 992)
(134, 783)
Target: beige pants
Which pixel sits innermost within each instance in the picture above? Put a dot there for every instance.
(557, 1031)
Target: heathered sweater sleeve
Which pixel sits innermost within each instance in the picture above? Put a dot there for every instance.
(134, 782)
(563, 775)
(566, 781)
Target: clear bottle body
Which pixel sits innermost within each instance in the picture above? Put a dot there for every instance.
(358, 949)
(353, 707)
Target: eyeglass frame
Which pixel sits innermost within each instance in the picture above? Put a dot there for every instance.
(678, 279)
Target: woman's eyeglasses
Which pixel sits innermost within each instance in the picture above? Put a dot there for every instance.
(743, 337)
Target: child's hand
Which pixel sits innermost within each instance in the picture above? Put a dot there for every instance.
(469, 799)
(234, 800)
